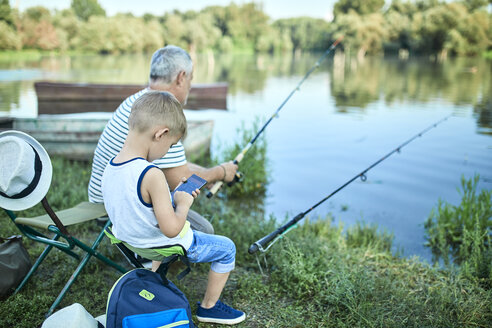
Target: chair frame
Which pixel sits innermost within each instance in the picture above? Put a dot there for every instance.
(60, 231)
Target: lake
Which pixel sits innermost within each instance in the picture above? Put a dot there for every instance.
(346, 116)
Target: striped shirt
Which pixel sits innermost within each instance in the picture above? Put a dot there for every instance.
(111, 141)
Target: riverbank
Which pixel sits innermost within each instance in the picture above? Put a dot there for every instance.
(317, 276)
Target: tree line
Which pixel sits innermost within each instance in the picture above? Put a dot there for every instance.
(461, 27)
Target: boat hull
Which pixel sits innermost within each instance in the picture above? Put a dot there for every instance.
(76, 137)
(65, 98)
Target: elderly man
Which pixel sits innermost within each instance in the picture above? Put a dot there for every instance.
(171, 69)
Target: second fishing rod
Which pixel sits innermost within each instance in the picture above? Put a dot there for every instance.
(240, 156)
(271, 238)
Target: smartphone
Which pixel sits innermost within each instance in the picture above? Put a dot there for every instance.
(191, 184)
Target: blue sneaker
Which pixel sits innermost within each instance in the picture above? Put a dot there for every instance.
(220, 313)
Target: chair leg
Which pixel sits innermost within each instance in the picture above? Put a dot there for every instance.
(69, 283)
(89, 253)
(93, 250)
(36, 264)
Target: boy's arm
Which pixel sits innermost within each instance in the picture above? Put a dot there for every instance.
(224, 171)
(155, 190)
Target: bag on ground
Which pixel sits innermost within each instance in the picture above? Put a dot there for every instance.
(140, 298)
(14, 263)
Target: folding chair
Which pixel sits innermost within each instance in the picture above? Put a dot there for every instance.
(56, 222)
(16, 146)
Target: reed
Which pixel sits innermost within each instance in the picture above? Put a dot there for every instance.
(462, 234)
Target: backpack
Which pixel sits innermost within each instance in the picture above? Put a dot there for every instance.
(142, 298)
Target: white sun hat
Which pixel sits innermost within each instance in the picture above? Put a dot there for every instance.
(73, 316)
(25, 171)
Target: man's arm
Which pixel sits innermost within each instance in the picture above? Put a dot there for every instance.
(224, 172)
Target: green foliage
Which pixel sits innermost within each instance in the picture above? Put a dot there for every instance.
(361, 7)
(6, 12)
(459, 28)
(253, 166)
(363, 235)
(118, 34)
(475, 4)
(305, 33)
(9, 38)
(37, 31)
(363, 34)
(463, 233)
(84, 9)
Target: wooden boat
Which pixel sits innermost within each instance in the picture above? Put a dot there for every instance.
(64, 98)
(75, 136)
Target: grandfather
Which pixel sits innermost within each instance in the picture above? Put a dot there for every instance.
(171, 69)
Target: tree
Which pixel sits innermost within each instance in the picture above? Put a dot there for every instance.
(201, 34)
(37, 31)
(398, 30)
(305, 33)
(363, 34)
(473, 5)
(174, 30)
(361, 7)
(470, 37)
(9, 39)
(67, 21)
(6, 12)
(84, 9)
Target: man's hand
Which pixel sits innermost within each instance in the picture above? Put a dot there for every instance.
(230, 170)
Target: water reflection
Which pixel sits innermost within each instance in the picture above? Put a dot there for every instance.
(459, 81)
(9, 95)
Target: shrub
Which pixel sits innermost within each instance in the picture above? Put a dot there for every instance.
(9, 39)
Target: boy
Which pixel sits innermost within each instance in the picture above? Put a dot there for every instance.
(137, 199)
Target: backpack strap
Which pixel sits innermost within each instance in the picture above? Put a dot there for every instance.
(166, 262)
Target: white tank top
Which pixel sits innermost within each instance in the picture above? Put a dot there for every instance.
(133, 219)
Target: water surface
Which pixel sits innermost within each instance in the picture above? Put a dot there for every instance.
(345, 117)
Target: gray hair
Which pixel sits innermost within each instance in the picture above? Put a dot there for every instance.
(167, 62)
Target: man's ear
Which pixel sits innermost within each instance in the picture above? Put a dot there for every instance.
(161, 132)
(180, 78)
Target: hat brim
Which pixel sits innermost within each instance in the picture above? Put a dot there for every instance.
(44, 181)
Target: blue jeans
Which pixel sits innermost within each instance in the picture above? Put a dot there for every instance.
(219, 250)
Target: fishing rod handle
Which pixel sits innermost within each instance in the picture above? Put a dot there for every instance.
(214, 189)
(268, 238)
(263, 242)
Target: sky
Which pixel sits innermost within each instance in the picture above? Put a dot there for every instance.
(274, 8)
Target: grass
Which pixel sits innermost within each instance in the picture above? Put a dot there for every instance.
(316, 276)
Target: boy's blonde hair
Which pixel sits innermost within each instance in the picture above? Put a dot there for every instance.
(156, 108)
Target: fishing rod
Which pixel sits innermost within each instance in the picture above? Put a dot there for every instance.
(261, 243)
(240, 156)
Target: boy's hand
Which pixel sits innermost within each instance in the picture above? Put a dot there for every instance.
(182, 198)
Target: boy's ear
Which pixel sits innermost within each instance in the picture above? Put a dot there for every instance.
(161, 132)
